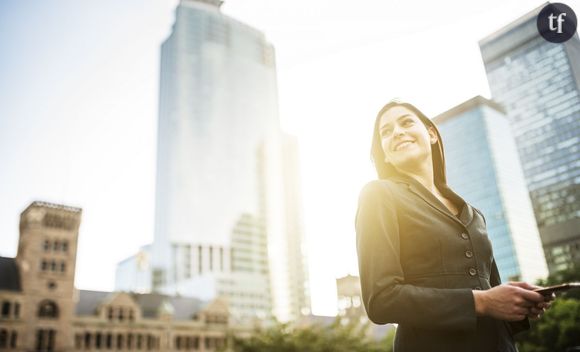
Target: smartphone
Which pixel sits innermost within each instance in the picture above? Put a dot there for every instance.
(546, 291)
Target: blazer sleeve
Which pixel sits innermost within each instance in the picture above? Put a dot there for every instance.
(386, 296)
(513, 326)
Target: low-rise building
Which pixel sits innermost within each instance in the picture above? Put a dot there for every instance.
(41, 310)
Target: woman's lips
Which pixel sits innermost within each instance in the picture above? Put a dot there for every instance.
(403, 145)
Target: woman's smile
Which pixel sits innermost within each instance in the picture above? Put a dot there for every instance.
(403, 145)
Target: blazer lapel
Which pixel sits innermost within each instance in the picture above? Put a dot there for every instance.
(465, 212)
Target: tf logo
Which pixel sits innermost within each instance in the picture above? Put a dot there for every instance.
(557, 23)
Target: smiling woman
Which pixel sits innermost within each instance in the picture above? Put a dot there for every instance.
(425, 260)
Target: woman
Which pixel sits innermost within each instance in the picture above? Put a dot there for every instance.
(425, 259)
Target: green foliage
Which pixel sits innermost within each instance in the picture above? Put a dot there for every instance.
(559, 328)
(314, 338)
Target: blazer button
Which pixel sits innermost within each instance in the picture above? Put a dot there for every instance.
(464, 236)
(468, 254)
(472, 271)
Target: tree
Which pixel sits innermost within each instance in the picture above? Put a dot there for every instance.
(558, 330)
(335, 337)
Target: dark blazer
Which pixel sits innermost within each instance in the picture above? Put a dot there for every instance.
(418, 265)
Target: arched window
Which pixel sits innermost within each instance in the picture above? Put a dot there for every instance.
(47, 309)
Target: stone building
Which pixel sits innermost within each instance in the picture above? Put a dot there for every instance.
(40, 309)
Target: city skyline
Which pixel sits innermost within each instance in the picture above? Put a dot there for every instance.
(77, 143)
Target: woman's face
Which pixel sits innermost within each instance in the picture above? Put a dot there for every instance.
(405, 140)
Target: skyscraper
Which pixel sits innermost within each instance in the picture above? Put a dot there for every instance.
(218, 101)
(538, 85)
(483, 167)
(224, 196)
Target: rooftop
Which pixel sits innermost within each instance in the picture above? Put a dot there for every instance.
(467, 105)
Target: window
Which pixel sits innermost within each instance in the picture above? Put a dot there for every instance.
(62, 267)
(45, 340)
(65, 246)
(13, 339)
(98, 340)
(47, 309)
(139, 341)
(44, 265)
(8, 340)
(56, 246)
(109, 341)
(3, 338)
(46, 246)
(119, 341)
(87, 339)
(17, 310)
(199, 260)
(129, 341)
(5, 309)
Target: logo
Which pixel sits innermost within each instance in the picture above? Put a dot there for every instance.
(557, 23)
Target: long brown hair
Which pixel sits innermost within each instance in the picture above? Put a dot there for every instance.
(384, 170)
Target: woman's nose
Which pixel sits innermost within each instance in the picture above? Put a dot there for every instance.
(397, 131)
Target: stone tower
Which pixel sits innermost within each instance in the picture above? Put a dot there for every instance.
(46, 261)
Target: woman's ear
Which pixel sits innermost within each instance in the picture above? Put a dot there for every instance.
(432, 135)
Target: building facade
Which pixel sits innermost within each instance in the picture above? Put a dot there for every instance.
(40, 310)
(228, 213)
(538, 85)
(483, 167)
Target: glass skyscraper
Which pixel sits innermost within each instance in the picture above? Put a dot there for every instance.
(222, 207)
(538, 85)
(483, 167)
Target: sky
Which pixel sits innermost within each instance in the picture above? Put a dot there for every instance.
(79, 94)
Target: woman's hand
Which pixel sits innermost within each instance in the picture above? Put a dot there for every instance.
(539, 309)
(512, 302)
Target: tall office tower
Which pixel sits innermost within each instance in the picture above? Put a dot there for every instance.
(281, 208)
(538, 84)
(218, 106)
(218, 100)
(483, 167)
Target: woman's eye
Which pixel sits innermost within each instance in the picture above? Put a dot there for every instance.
(407, 122)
